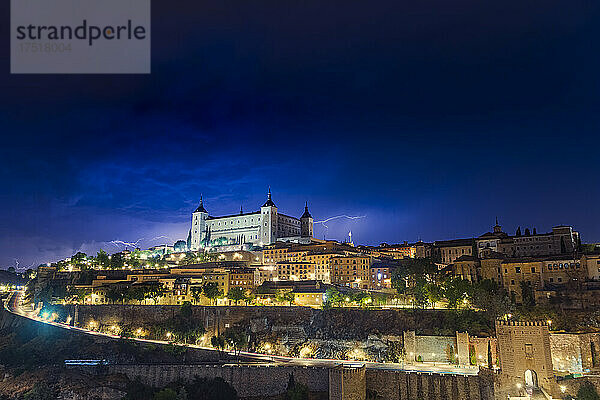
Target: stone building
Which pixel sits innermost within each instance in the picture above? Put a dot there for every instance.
(525, 357)
(592, 263)
(242, 278)
(561, 240)
(257, 228)
(447, 251)
(295, 271)
(351, 271)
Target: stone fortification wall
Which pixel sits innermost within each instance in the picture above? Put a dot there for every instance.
(575, 352)
(394, 385)
(247, 380)
(262, 381)
(434, 348)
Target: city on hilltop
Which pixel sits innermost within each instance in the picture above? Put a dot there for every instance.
(465, 307)
(300, 200)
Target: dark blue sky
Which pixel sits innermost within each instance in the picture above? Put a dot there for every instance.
(429, 118)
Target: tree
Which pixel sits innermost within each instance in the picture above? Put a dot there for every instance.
(434, 292)
(249, 297)
(491, 298)
(412, 279)
(182, 394)
(115, 293)
(527, 294)
(190, 258)
(155, 291)
(80, 294)
(212, 291)
(79, 259)
(196, 293)
(295, 391)
(333, 297)
(165, 394)
(361, 298)
(211, 389)
(400, 280)
(456, 292)
(236, 338)
(418, 292)
(116, 261)
(587, 391)
(489, 355)
(218, 342)
(284, 296)
(236, 294)
(134, 261)
(518, 233)
(136, 292)
(102, 259)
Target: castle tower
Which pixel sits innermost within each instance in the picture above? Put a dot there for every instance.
(198, 230)
(306, 223)
(497, 227)
(525, 358)
(268, 226)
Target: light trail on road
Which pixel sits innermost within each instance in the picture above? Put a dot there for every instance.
(14, 306)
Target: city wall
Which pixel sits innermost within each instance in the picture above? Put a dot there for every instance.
(247, 380)
(575, 352)
(257, 381)
(397, 385)
(434, 348)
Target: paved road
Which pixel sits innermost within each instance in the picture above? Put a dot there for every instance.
(14, 305)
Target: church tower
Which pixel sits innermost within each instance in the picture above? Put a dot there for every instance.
(306, 223)
(268, 226)
(198, 230)
(497, 227)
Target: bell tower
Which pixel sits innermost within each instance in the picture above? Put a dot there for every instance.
(198, 229)
(268, 225)
(306, 223)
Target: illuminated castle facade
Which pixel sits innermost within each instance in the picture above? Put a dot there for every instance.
(257, 228)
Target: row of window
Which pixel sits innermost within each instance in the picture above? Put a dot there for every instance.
(561, 266)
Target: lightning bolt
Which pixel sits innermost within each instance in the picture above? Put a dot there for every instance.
(160, 237)
(338, 217)
(119, 243)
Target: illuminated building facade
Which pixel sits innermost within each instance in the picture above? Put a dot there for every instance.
(351, 271)
(258, 228)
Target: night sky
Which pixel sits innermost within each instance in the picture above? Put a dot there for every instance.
(429, 118)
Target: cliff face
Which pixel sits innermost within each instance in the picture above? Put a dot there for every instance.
(347, 323)
(361, 334)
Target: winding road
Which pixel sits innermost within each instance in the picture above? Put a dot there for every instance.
(14, 305)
